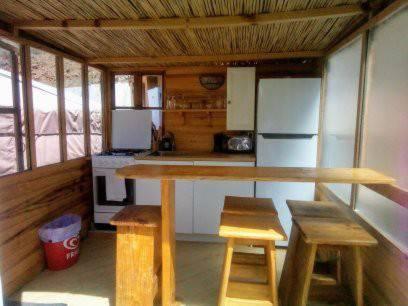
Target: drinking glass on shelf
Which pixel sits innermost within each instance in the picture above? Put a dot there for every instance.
(219, 103)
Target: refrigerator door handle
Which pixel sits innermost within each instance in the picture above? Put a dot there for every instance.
(286, 136)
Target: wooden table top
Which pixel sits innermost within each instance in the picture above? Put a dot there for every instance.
(268, 174)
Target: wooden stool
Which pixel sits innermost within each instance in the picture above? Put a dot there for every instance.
(138, 254)
(307, 234)
(258, 230)
(249, 206)
(316, 209)
(325, 272)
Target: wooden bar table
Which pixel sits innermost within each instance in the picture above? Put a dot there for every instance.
(169, 174)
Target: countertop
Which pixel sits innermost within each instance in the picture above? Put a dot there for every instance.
(199, 156)
(271, 174)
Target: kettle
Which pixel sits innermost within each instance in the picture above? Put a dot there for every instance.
(167, 142)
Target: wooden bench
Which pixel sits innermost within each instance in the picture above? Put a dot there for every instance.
(138, 254)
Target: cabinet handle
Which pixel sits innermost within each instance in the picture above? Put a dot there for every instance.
(229, 102)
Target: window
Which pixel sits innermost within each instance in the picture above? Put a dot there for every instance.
(124, 91)
(385, 133)
(340, 109)
(74, 109)
(95, 109)
(152, 87)
(45, 106)
(152, 91)
(12, 151)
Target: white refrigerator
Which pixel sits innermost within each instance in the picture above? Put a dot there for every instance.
(287, 126)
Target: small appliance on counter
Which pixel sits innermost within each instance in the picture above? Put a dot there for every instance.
(225, 143)
(167, 142)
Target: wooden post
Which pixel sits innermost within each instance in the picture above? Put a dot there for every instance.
(86, 119)
(168, 242)
(61, 107)
(28, 97)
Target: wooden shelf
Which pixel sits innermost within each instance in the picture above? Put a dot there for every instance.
(192, 110)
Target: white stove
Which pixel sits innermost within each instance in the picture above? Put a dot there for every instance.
(117, 158)
(103, 165)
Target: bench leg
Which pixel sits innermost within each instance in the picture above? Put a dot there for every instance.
(226, 269)
(271, 260)
(136, 282)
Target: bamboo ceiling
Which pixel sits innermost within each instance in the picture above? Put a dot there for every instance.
(304, 35)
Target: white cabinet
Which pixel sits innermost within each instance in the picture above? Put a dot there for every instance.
(209, 197)
(241, 98)
(148, 193)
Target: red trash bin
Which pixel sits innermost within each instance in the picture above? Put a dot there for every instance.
(61, 241)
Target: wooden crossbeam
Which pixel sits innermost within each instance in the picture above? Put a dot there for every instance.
(191, 23)
(203, 58)
(393, 8)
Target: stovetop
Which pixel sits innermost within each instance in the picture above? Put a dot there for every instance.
(130, 152)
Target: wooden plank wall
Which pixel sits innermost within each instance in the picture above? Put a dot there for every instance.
(385, 266)
(30, 199)
(194, 131)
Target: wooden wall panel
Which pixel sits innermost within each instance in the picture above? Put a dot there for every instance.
(385, 266)
(194, 131)
(30, 199)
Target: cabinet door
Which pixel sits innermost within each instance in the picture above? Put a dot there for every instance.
(241, 98)
(209, 198)
(148, 193)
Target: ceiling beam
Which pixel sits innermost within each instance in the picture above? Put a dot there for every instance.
(191, 23)
(386, 13)
(203, 58)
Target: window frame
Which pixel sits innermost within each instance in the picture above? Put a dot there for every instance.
(136, 91)
(85, 113)
(103, 110)
(142, 90)
(23, 103)
(15, 110)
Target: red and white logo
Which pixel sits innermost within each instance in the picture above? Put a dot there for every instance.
(71, 243)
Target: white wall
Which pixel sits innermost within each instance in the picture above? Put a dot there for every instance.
(340, 112)
(386, 125)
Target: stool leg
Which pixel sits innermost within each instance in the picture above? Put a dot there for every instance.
(358, 276)
(226, 272)
(271, 260)
(303, 266)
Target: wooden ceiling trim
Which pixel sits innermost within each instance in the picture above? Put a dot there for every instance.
(204, 58)
(192, 23)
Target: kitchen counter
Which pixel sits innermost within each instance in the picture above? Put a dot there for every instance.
(198, 156)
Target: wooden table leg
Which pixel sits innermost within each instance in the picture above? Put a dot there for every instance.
(168, 242)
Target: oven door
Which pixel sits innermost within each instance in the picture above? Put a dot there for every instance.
(101, 204)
